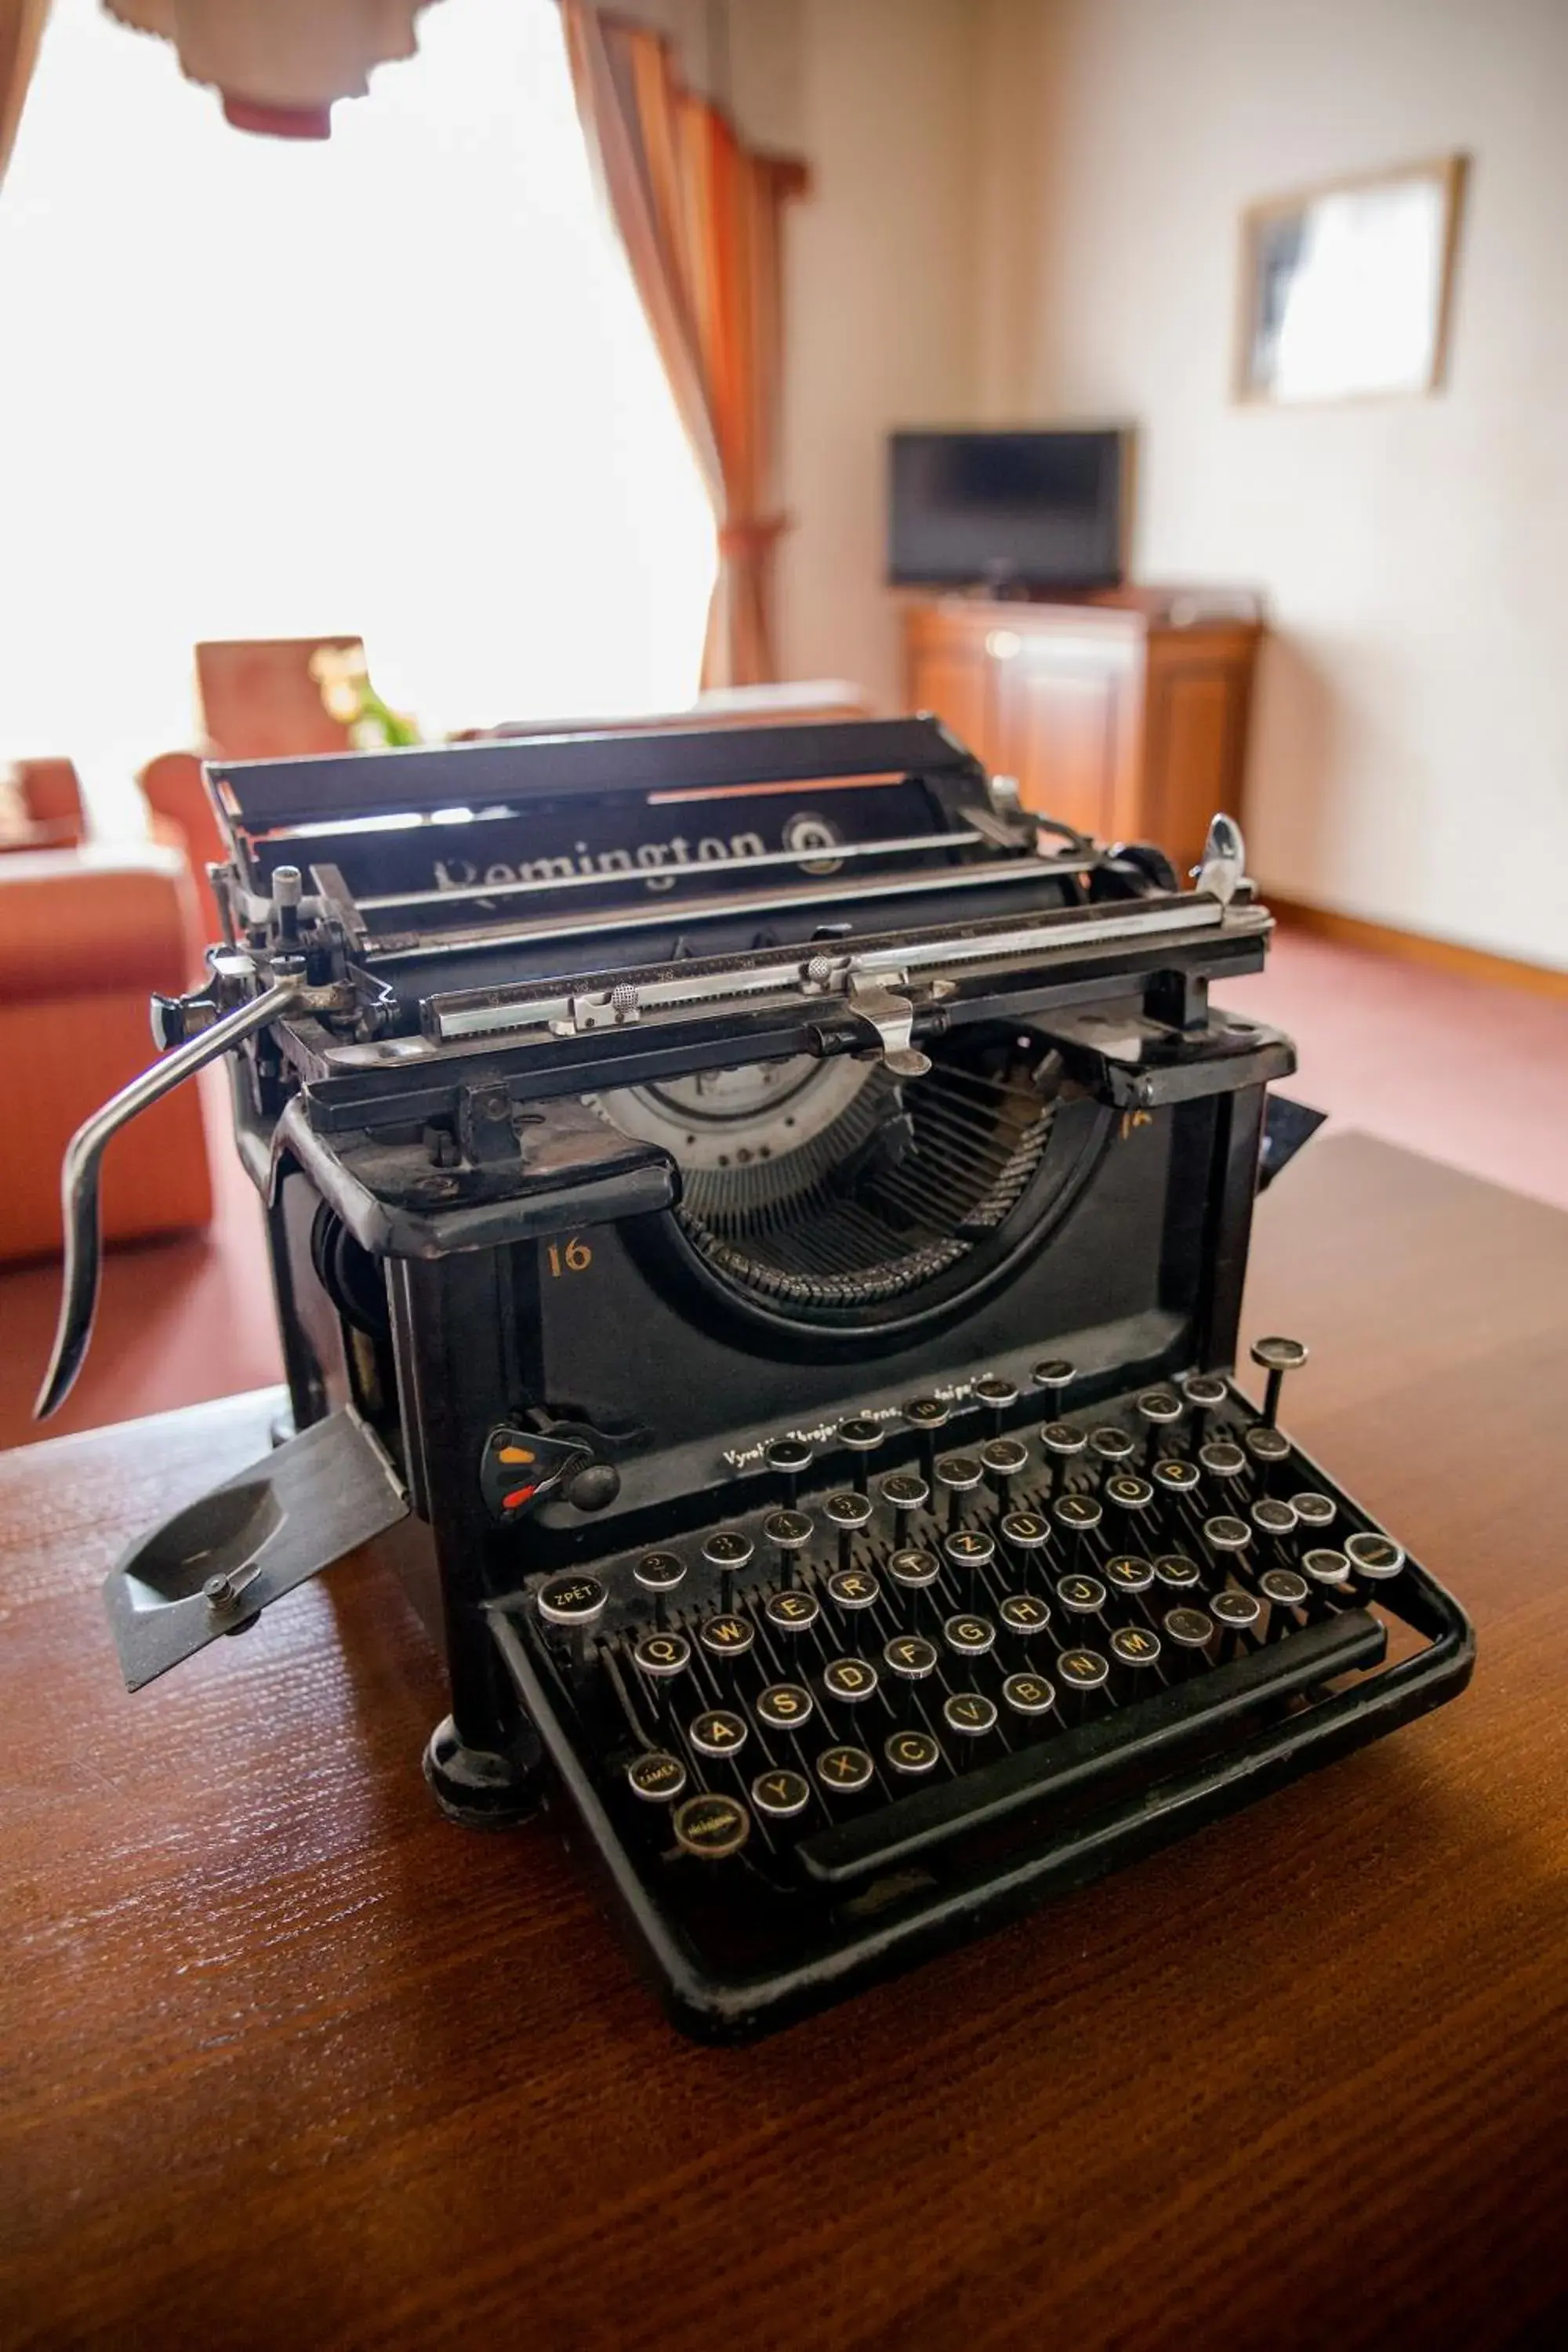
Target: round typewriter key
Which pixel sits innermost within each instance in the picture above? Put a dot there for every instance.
(905, 1490)
(1375, 1556)
(957, 1474)
(789, 1458)
(1082, 1670)
(911, 1751)
(854, 1588)
(1312, 1510)
(971, 1713)
(783, 1706)
(1205, 1391)
(1081, 1596)
(968, 1548)
(1160, 1407)
(1004, 1458)
(1267, 1444)
(572, 1600)
(1135, 1646)
(1276, 1357)
(1190, 1629)
(1110, 1444)
(927, 1414)
(1221, 1459)
(911, 1655)
(1025, 1613)
(726, 1635)
(996, 1393)
(913, 1568)
(970, 1636)
(717, 1732)
(657, 1777)
(791, 1612)
(1325, 1567)
(844, 1769)
(1078, 1513)
(852, 1679)
(789, 1532)
(1282, 1588)
(786, 1530)
(1271, 1518)
(1025, 1531)
(1226, 1534)
(1158, 1410)
(660, 1571)
(1172, 1475)
(1235, 1611)
(727, 1549)
(1129, 1573)
(712, 1827)
(781, 1795)
(1063, 1439)
(1055, 1373)
(848, 1513)
(862, 1436)
(1177, 1573)
(663, 1653)
(1130, 1492)
(1029, 1695)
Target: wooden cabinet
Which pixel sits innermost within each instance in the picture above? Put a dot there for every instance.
(1125, 714)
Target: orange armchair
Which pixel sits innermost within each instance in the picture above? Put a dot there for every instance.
(85, 935)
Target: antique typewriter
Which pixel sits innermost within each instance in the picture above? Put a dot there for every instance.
(771, 1213)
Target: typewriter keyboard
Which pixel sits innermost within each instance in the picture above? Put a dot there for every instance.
(882, 1671)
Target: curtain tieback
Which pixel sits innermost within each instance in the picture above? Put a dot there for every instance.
(755, 537)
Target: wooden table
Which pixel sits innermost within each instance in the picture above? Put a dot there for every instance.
(291, 2061)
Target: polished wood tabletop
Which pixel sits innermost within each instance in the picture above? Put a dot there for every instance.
(290, 2060)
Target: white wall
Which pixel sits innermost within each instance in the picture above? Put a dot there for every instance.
(1411, 748)
(880, 307)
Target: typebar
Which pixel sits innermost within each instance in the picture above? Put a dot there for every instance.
(1172, 1724)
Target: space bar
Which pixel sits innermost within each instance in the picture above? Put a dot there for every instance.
(1153, 1731)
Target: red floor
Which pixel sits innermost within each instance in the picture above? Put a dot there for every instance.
(1466, 1073)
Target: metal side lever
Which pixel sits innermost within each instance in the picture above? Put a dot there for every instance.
(79, 1177)
(216, 1565)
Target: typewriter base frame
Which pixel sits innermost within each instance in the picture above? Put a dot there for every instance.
(713, 2009)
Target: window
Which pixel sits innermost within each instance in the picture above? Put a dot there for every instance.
(398, 382)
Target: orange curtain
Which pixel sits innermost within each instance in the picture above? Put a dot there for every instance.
(21, 29)
(700, 216)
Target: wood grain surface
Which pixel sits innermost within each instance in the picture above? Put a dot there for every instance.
(290, 2062)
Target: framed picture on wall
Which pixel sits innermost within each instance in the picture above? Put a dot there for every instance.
(1345, 288)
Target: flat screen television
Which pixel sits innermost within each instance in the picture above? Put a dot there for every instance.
(1022, 510)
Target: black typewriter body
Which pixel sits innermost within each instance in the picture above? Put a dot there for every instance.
(771, 1214)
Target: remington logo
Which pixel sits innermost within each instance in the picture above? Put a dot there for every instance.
(652, 859)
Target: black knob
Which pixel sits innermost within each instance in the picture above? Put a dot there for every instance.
(595, 1488)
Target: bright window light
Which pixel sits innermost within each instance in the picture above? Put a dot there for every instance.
(398, 382)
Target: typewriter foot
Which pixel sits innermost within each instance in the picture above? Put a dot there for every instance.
(479, 1786)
